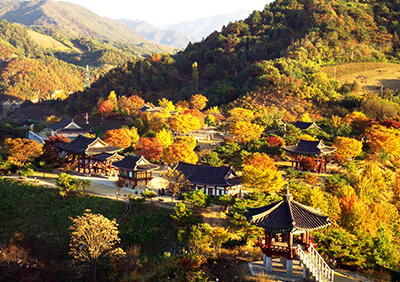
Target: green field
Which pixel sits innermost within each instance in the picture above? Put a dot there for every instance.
(369, 75)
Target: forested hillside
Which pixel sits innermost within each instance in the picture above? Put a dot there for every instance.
(275, 53)
(27, 73)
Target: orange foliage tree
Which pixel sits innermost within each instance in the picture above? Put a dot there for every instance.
(128, 104)
(117, 137)
(347, 147)
(106, 108)
(384, 138)
(260, 172)
(179, 152)
(19, 151)
(198, 101)
(358, 121)
(150, 148)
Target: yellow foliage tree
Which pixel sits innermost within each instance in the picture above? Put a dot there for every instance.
(185, 123)
(133, 134)
(117, 137)
(347, 147)
(198, 101)
(19, 151)
(165, 137)
(94, 236)
(245, 131)
(179, 152)
(165, 103)
(260, 172)
(240, 114)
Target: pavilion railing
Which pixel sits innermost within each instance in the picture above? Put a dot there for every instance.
(315, 264)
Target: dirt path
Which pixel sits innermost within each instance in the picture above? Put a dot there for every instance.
(213, 216)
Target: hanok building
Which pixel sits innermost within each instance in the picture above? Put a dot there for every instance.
(287, 225)
(307, 148)
(303, 125)
(91, 155)
(214, 181)
(68, 128)
(135, 171)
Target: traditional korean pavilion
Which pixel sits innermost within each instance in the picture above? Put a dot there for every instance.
(303, 125)
(68, 128)
(135, 170)
(287, 225)
(91, 155)
(214, 181)
(307, 148)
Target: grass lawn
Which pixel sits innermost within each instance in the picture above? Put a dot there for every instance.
(370, 75)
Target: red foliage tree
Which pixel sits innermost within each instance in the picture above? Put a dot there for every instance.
(308, 164)
(50, 151)
(150, 148)
(275, 141)
(389, 123)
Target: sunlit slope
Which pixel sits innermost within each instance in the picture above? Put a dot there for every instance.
(369, 75)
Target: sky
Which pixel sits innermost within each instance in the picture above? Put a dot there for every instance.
(163, 12)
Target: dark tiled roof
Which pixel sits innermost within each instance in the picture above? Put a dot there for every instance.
(61, 124)
(135, 163)
(304, 125)
(308, 147)
(287, 215)
(75, 130)
(106, 156)
(209, 175)
(81, 145)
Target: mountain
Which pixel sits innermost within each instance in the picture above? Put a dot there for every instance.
(203, 27)
(74, 21)
(167, 37)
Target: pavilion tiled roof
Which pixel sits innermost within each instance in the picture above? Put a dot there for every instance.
(82, 145)
(209, 175)
(135, 163)
(61, 124)
(106, 156)
(308, 147)
(287, 215)
(303, 125)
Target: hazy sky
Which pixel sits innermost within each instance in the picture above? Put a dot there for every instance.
(167, 11)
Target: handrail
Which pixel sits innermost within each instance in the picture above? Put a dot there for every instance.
(315, 263)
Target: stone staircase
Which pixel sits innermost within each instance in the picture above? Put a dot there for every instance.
(315, 264)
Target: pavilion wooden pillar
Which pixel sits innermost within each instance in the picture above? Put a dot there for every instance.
(268, 258)
(289, 260)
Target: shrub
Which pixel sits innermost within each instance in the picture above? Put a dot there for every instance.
(308, 164)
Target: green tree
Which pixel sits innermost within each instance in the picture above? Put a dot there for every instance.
(182, 214)
(149, 194)
(197, 198)
(69, 185)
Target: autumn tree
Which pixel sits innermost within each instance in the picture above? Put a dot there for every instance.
(245, 131)
(150, 148)
(165, 137)
(165, 103)
(185, 123)
(260, 172)
(129, 104)
(106, 108)
(94, 237)
(384, 138)
(132, 134)
(19, 151)
(347, 147)
(50, 152)
(117, 137)
(179, 152)
(241, 114)
(176, 181)
(198, 102)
